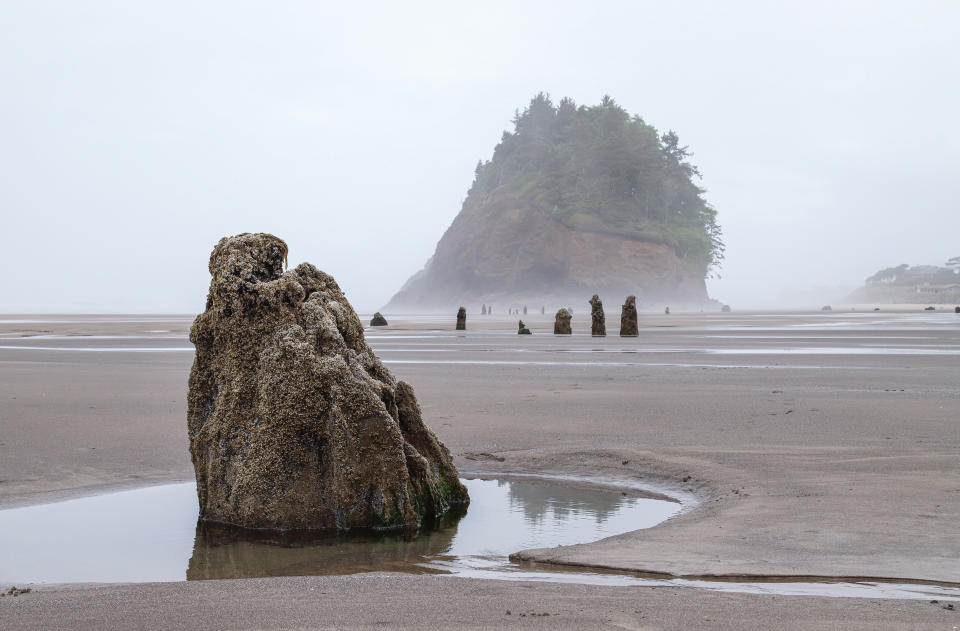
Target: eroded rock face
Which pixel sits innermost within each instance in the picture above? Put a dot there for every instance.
(509, 250)
(598, 325)
(462, 319)
(628, 318)
(293, 421)
(561, 325)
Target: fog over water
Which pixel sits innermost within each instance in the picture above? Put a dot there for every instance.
(135, 135)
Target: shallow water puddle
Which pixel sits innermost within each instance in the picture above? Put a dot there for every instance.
(152, 534)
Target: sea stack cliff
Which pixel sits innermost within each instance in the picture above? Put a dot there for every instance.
(576, 200)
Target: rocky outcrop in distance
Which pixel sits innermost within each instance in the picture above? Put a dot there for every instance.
(502, 251)
(905, 284)
(378, 320)
(598, 326)
(561, 325)
(293, 422)
(574, 200)
(462, 319)
(628, 318)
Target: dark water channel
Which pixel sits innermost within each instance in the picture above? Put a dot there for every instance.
(152, 534)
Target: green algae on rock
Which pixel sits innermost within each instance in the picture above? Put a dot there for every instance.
(294, 423)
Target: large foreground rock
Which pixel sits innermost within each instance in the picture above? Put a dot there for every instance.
(293, 421)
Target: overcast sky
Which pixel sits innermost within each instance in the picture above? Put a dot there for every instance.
(134, 135)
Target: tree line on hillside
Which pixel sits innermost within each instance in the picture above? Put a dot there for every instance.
(907, 275)
(599, 169)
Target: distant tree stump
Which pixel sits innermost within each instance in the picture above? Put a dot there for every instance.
(628, 318)
(598, 326)
(561, 326)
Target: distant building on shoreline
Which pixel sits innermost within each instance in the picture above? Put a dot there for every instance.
(929, 289)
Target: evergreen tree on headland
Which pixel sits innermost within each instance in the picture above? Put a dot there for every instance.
(599, 169)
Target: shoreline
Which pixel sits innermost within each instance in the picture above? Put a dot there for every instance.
(640, 489)
(837, 468)
(652, 488)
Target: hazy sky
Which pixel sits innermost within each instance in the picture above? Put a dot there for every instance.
(134, 135)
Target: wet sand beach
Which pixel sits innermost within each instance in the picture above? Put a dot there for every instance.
(804, 445)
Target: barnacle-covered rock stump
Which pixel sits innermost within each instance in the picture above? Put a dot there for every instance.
(561, 325)
(628, 318)
(293, 421)
(598, 326)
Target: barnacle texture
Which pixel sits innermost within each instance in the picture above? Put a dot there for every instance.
(294, 423)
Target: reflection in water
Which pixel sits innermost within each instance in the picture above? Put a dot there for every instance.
(151, 534)
(225, 552)
(542, 501)
(503, 517)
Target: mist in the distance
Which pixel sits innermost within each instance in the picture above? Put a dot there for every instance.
(135, 136)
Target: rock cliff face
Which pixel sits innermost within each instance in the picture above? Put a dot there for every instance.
(502, 250)
(293, 421)
(575, 200)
